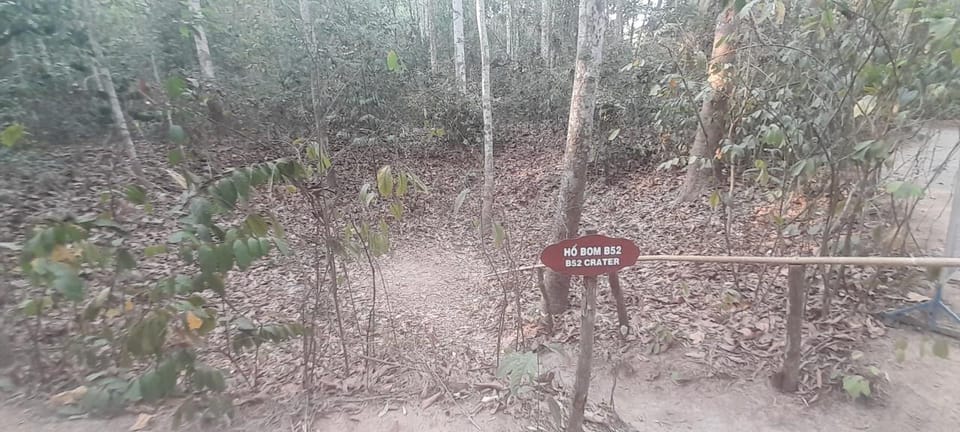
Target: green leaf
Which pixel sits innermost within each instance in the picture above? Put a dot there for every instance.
(225, 257)
(70, 285)
(940, 28)
(177, 135)
(385, 181)
(136, 194)
(12, 135)
(715, 200)
(519, 368)
(253, 246)
(125, 260)
(241, 180)
(941, 349)
(226, 192)
(402, 182)
(282, 246)
(208, 261)
(393, 61)
(396, 210)
(773, 136)
(856, 386)
(904, 190)
(955, 57)
(242, 254)
(264, 246)
(175, 86)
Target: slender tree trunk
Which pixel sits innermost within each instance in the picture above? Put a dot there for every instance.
(486, 211)
(431, 16)
(583, 101)
(546, 31)
(311, 38)
(713, 111)
(116, 111)
(200, 40)
(621, 20)
(460, 59)
(511, 37)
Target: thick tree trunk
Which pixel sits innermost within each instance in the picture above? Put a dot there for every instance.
(200, 40)
(431, 15)
(486, 211)
(713, 111)
(460, 66)
(583, 100)
(546, 30)
(116, 111)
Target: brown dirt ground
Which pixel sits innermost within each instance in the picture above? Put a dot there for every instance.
(437, 296)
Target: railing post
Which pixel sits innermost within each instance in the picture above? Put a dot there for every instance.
(582, 383)
(789, 375)
(622, 317)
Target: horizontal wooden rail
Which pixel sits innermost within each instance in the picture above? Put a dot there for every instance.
(833, 260)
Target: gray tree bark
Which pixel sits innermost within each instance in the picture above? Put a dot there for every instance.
(116, 110)
(486, 211)
(431, 16)
(713, 111)
(583, 101)
(200, 40)
(546, 31)
(460, 66)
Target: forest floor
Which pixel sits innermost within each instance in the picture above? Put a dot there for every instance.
(700, 349)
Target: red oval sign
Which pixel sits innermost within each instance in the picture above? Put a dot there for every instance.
(590, 255)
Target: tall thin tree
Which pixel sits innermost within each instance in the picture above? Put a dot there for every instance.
(713, 110)
(486, 211)
(431, 16)
(546, 31)
(460, 67)
(200, 40)
(105, 79)
(583, 101)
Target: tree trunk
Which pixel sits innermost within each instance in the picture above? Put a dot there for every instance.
(511, 37)
(621, 20)
(116, 111)
(200, 39)
(788, 378)
(581, 385)
(431, 15)
(311, 38)
(583, 100)
(713, 111)
(546, 30)
(460, 66)
(486, 211)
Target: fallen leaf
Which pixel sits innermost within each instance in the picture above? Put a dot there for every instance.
(430, 400)
(143, 421)
(916, 297)
(69, 397)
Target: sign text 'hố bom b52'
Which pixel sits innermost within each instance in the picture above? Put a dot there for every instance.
(590, 255)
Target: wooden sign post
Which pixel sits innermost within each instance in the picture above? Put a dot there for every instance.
(590, 256)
